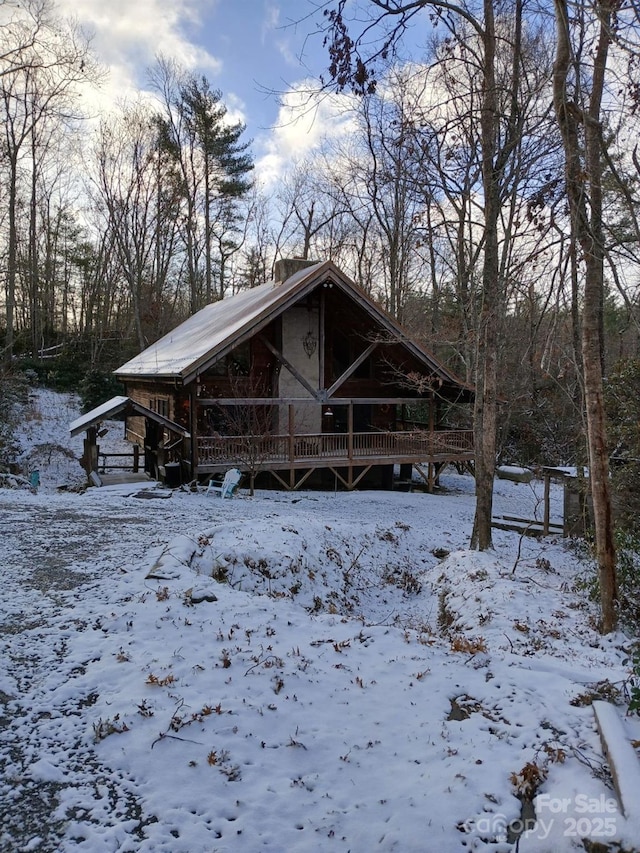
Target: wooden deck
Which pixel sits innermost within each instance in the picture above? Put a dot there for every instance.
(333, 450)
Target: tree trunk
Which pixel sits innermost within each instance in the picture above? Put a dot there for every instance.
(586, 223)
(35, 302)
(12, 262)
(486, 409)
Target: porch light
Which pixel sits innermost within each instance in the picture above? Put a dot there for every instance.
(328, 413)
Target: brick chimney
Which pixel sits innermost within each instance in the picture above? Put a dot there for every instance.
(284, 268)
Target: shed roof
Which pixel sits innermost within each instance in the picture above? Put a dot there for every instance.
(116, 406)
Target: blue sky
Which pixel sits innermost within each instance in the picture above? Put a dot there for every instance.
(262, 49)
(249, 49)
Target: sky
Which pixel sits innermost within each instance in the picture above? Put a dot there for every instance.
(295, 671)
(258, 53)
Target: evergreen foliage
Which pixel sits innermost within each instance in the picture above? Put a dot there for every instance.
(98, 386)
(14, 390)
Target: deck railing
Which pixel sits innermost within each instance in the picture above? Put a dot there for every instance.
(343, 447)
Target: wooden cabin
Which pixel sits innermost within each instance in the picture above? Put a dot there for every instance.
(302, 380)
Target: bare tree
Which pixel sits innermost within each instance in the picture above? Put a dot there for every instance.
(39, 78)
(136, 190)
(307, 207)
(374, 174)
(22, 26)
(256, 259)
(579, 116)
(247, 429)
(496, 51)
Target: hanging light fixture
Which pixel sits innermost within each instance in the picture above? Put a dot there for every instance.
(309, 341)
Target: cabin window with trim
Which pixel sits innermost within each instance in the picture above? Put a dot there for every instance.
(160, 405)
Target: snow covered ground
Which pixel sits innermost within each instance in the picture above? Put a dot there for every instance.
(293, 671)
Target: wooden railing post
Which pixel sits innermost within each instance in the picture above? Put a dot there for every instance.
(292, 424)
(136, 458)
(286, 449)
(193, 428)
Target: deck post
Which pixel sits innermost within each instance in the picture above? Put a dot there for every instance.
(193, 427)
(90, 456)
(432, 426)
(350, 441)
(136, 458)
(291, 428)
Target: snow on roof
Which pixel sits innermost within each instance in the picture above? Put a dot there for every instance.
(186, 349)
(99, 413)
(209, 329)
(121, 404)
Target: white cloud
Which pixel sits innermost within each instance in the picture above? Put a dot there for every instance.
(290, 35)
(270, 22)
(305, 119)
(139, 30)
(127, 36)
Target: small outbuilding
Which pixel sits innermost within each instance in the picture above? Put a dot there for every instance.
(160, 458)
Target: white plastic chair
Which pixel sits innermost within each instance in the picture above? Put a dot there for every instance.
(229, 485)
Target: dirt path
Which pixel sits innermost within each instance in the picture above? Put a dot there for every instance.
(53, 550)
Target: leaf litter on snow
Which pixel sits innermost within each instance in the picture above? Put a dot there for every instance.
(301, 672)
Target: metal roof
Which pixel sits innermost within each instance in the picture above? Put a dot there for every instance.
(201, 335)
(200, 340)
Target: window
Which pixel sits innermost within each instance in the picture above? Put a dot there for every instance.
(240, 360)
(160, 405)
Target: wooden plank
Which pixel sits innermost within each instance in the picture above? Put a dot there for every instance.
(526, 528)
(532, 521)
(320, 396)
(124, 479)
(515, 528)
(623, 761)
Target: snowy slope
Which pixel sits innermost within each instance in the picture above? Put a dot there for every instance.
(293, 672)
